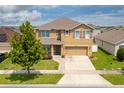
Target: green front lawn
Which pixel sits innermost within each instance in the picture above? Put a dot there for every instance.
(102, 60)
(42, 65)
(116, 79)
(30, 79)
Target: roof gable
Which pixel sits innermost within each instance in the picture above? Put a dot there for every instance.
(60, 24)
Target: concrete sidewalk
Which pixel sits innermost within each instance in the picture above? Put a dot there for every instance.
(31, 71)
(89, 80)
(64, 72)
(55, 86)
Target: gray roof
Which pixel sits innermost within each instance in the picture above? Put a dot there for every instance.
(51, 41)
(113, 37)
(61, 24)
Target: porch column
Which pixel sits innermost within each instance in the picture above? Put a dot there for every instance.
(36, 34)
(52, 51)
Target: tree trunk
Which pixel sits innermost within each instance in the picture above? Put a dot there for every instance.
(28, 69)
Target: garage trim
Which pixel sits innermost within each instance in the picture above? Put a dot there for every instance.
(76, 50)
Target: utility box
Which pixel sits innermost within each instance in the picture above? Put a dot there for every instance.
(94, 48)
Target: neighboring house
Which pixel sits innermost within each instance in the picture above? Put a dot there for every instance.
(66, 37)
(110, 41)
(5, 37)
(96, 30)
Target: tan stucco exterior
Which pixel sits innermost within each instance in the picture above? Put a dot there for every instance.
(53, 34)
(71, 45)
(71, 40)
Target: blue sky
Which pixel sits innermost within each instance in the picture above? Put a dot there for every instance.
(98, 15)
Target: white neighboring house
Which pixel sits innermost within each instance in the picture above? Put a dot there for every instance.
(96, 32)
(110, 41)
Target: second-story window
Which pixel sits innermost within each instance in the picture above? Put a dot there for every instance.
(45, 33)
(66, 33)
(77, 34)
(87, 34)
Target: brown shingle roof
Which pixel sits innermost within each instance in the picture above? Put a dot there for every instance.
(60, 24)
(113, 37)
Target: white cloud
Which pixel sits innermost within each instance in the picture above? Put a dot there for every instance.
(12, 18)
(12, 8)
(99, 18)
(121, 10)
(46, 6)
(15, 14)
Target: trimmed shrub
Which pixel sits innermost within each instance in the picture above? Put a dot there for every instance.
(63, 56)
(120, 54)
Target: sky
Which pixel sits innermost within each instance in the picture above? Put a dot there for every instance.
(38, 15)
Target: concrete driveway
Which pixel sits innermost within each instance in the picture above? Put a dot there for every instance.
(80, 71)
(78, 63)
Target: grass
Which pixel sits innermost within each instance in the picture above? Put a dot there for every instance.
(42, 65)
(116, 79)
(103, 60)
(30, 79)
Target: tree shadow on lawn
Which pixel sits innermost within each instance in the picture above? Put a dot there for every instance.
(22, 77)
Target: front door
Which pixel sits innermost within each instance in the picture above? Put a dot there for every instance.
(57, 50)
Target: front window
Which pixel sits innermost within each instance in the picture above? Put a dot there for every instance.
(45, 33)
(87, 34)
(66, 33)
(121, 46)
(77, 34)
(48, 47)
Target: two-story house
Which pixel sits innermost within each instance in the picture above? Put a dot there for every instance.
(66, 37)
(6, 34)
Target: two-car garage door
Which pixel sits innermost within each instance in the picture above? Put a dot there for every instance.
(76, 50)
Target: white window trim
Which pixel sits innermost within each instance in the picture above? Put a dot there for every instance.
(77, 30)
(87, 30)
(45, 36)
(66, 33)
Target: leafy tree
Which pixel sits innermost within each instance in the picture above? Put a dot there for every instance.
(120, 54)
(26, 49)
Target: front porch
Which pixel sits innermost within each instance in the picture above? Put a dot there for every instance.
(54, 50)
(53, 46)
